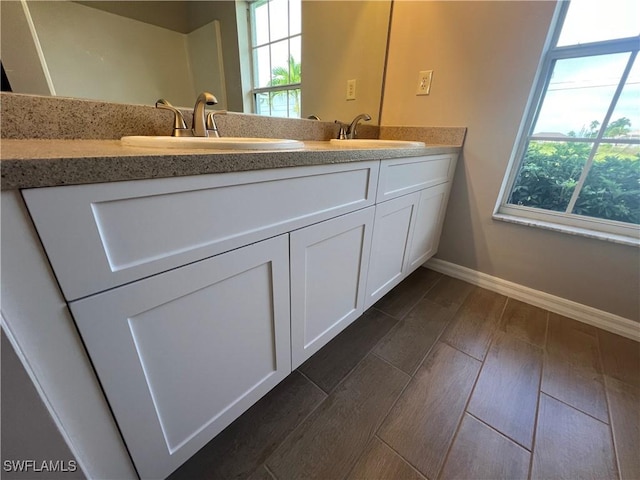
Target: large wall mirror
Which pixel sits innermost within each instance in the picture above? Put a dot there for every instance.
(140, 51)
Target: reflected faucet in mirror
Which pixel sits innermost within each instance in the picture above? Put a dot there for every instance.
(348, 132)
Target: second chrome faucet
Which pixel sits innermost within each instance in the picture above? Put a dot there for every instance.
(201, 126)
(349, 131)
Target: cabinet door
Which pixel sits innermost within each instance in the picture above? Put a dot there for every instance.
(428, 225)
(180, 355)
(328, 274)
(392, 231)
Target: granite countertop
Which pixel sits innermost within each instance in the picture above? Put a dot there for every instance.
(45, 163)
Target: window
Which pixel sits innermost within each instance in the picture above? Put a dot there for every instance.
(276, 52)
(577, 160)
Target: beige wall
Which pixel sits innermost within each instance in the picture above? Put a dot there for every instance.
(484, 56)
(343, 40)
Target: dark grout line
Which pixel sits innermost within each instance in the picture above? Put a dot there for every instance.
(372, 353)
(488, 425)
(574, 408)
(537, 416)
(270, 472)
(312, 382)
(473, 389)
(401, 457)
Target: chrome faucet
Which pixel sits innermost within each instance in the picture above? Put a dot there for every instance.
(212, 128)
(349, 131)
(179, 126)
(199, 126)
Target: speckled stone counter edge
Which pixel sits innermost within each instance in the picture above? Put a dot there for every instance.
(29, 121)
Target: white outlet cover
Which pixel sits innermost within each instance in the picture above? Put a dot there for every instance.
(424, 82)
(351, 89)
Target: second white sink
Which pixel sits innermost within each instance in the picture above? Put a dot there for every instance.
(223, 143)
(375, 143)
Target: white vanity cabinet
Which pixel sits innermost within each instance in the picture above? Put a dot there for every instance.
(411, 202)
(393, 230)
(194, 296)
(328, 275)
(182, 354)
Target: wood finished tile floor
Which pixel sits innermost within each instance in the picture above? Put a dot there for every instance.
(442, 379)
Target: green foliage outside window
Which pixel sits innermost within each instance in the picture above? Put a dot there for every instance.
(551, 170)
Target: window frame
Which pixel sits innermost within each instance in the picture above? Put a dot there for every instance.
(254, 46)
(616, 231)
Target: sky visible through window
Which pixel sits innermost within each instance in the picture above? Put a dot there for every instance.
(581, 89)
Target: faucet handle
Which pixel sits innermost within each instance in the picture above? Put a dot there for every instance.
(342, 133)
(179, 125)
(212, 128)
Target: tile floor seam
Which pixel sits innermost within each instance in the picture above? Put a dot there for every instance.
(535, 423)
(414, 304)
(495, 329)
(390, 364)
(502, 434)
(359, 361)
(384, 418)
(312, 382)
(465, 410)
(401, 457)
(577, 408)
(608, 403)
(302, 420)
(273, 475)
(525, 340)
(438, 338)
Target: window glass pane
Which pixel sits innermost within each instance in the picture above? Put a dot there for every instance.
(595, 20)
(579, 94)
(263, 66)
(279, 106)
(295, 17)
(295, 67)
(549, 173)
(279, 19)
(260, 23)
(262, 104)
(625, 121)
(294, 103)
(612, 187)
(280, 64)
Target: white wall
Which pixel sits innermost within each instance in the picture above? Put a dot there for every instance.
(205, 61)
(484, 56)
(99, 55)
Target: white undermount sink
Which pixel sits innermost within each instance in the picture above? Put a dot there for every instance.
(375, 143)
(213, 143)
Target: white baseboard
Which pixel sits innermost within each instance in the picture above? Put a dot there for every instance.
(583, 313)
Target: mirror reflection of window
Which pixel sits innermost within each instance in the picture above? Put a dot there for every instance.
(276, 53)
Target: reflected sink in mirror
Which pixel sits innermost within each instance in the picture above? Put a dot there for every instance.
(375, 143)
(213, 143)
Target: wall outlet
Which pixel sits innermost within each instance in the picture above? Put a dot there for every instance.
(351, 89)
(424, 82)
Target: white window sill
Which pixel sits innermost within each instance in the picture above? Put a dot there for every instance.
(570, 230)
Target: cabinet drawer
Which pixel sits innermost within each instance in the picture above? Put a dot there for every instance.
(408, 175)
(103, 235)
